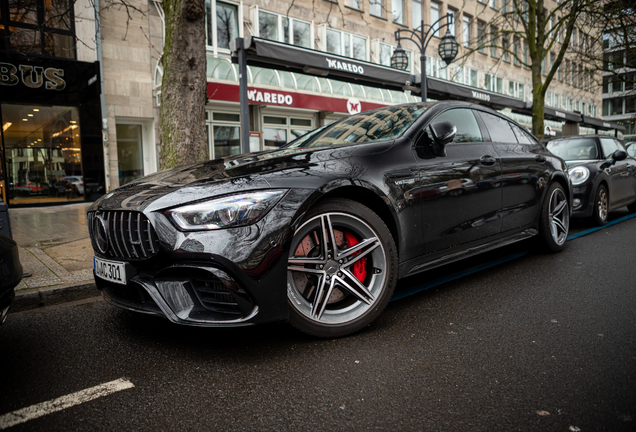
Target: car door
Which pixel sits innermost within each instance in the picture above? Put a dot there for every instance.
(621, 186)
(458, 193)
(523, 168)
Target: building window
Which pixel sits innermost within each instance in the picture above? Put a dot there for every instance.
(493, 83)
(130, 158)
(516, 89)
(466, 35)
(493, 42)
(515, 51)
(225, 27)
(493, 4)
(376, 8)
(354, 4)
(283, 29)
(481, 26)
(38, 27)
(436, 68)
(416, 12)
(435, 15)
(504, 45)
(398, 11)
(346, 44)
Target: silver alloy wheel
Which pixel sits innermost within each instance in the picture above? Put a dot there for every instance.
(559, 216)
(333, 294)
(602, 205)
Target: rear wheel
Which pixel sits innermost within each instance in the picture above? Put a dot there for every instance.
(555, 219)
(601, 206)
(342, 269)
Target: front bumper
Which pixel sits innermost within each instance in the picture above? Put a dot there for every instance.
(229, 277)
(583, 198)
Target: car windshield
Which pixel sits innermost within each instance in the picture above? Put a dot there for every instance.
(575, 149)
(381, 124)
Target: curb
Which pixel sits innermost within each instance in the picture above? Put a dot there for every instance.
(29, 299)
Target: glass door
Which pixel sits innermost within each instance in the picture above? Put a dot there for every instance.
(130, 158)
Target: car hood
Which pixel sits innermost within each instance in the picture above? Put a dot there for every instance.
(233, 174)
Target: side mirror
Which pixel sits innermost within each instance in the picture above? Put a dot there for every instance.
(442, 132)
(619, 155)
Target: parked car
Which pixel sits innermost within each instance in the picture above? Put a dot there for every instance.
(319, 231)
(76, 183)
(10, 274)
(602, 173)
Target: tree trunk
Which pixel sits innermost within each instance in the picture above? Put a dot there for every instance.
(183, 89)
(538, 102)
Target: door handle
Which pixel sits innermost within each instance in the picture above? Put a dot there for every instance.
(487, 160)
(539, 158)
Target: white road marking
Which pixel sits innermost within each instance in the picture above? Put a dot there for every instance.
(61, 403)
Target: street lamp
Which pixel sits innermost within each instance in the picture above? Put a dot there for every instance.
(447, 49)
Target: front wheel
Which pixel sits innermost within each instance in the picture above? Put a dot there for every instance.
(554, 221)
(601, 204)
(342, 269)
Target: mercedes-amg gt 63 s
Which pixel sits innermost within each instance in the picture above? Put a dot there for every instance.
(319, 231)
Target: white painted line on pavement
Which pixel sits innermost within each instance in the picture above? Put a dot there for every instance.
(61, 403)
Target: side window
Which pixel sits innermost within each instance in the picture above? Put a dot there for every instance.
(499, 128)
(609, 146)
(465, 122)
(522, 136)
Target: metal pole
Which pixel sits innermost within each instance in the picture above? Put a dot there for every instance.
(245, 111)
(423, 64)
(102, 98)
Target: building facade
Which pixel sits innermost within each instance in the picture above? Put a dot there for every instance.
(283, 104)
(619, 82)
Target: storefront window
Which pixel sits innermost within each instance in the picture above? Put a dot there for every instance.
(279, 130)
(129, 153)
(227, 141)
(41, 146)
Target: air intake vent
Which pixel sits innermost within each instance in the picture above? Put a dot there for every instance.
(215, 296)
(122, 235)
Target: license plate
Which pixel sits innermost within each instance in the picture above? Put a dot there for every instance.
(110, 270)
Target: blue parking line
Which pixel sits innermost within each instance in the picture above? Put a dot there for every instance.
(591, 230)
(439, 281)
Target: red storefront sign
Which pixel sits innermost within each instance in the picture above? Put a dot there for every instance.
(230, 93)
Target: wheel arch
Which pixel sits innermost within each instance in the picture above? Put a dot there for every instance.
(377, 203)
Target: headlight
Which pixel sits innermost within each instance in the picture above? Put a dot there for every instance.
(231, 211)
(579, 174)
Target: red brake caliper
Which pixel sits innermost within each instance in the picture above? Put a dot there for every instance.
(360, 267)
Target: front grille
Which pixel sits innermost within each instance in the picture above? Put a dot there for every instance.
(130, 235)
(215, 296)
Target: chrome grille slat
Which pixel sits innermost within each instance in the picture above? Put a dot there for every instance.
(122, 232)
(130, 235)
(139, 236)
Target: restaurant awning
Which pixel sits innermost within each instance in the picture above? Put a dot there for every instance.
(267, 53)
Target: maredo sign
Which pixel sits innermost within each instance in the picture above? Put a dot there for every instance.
(230, 93)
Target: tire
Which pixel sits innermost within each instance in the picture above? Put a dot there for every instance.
(336, 291)
(601, 205)
(554, 222)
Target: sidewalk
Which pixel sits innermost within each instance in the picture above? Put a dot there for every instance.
(55, 248)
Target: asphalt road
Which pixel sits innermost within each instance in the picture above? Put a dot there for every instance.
(538, 343)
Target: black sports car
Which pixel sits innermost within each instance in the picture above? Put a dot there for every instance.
(603, 174)
(319, 231)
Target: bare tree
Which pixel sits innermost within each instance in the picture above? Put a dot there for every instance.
(541, 40)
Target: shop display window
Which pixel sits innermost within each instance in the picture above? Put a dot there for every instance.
(130, 158)
(42, 154)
